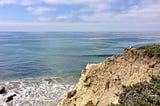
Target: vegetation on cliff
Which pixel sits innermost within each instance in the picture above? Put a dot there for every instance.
(141, 94)
(151, 49)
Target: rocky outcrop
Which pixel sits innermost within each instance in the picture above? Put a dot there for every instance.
(10, 97)
(6, 97)
(99, 83)
(2, 89)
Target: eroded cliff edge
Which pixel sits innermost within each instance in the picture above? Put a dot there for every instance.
(100, 82)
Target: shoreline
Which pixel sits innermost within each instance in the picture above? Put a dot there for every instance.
(68, 79)
(37, 91)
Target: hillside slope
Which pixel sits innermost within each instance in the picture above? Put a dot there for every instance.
(100, 82)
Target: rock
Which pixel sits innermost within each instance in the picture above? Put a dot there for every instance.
(107, 85)
(89, 103)
(9, 98)
(152, 65)
(2, 89)
(71, 94)
(88, 84)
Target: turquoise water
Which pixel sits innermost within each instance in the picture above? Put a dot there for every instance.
(61, 54)
(41, 67)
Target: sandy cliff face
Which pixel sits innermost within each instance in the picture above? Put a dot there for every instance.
(100, 82)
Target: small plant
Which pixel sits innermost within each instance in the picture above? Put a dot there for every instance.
(127, 89)
(155, 84)
(151, 49)
(141, 94)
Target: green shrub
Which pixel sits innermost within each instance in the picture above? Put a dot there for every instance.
(155, 84)
(141, 94)
(151, 49)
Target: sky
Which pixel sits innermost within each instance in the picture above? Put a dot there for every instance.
(80, 15)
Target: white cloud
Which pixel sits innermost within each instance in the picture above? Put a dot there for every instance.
(140, 13)
(67, 1)
(45, 19)
(39, 10)
(63, 17)
(144, 16)
(29, 2)
(22, 2)
(4, 2)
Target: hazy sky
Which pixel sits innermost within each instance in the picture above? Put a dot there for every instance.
(79, 15)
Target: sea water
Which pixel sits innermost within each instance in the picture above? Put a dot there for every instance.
(40, 67)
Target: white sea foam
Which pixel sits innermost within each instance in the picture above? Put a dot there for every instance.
(39, 92)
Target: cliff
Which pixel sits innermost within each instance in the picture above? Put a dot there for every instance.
(99, 83)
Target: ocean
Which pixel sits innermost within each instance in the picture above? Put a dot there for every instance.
(40, 67)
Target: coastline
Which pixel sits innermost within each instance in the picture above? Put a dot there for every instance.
(36, 55)
(99, 83)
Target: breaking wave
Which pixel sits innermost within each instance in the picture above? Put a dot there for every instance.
(37, 92)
